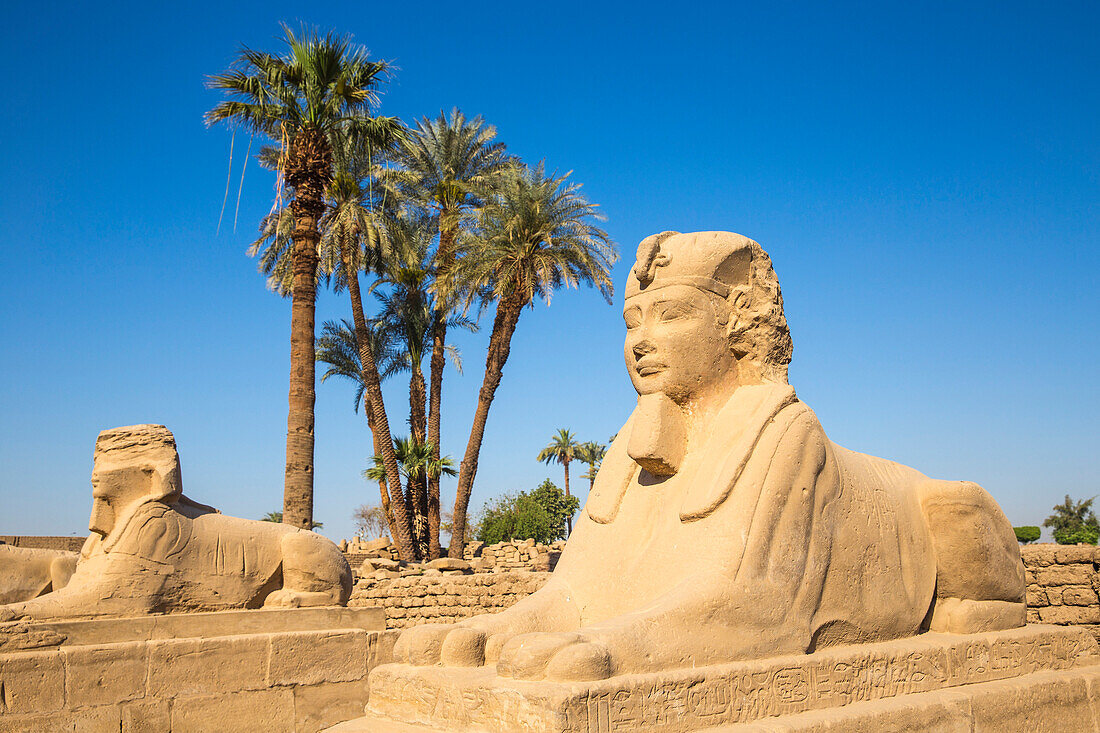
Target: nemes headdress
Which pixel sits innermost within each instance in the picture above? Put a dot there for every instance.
(737, 270)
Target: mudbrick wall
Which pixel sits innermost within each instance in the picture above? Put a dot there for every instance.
(1062, 588)
(72, 544)
(437, 598)
(1062, 585)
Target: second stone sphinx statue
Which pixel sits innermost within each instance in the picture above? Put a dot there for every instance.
(724, 524)
(153, 550)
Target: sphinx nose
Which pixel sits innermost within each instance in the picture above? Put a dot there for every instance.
(643, 347)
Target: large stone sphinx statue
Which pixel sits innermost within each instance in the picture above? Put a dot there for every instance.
(724, 525)
(153, 550)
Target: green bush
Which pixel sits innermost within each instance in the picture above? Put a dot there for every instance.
(1027, 534)
(539, 515)
(1082, 535)
(1074, 522)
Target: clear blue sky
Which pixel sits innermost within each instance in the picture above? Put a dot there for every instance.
(926, 177)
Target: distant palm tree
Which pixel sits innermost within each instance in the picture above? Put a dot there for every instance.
(297, 100)
(591, 453)
(338, 347)
(277, 518)
(447, 166)
(562, 449)
(534, 235)
(417, 461)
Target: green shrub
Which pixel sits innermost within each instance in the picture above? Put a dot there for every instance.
(1082, 535)
(539, 515)
(1027, 534)
(1074, 522)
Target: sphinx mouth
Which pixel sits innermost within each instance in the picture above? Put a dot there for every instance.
(649, 368)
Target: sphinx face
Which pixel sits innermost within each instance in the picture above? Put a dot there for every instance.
(115, 484)
(675, 344)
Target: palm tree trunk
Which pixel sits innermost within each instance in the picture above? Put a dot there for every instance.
(569, 519)
(445, 256)
(399, 529)
(378, 449)
(418, 489)
(500, 344)
(298, 481)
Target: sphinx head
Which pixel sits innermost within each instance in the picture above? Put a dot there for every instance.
(704, 314)
(133, 465)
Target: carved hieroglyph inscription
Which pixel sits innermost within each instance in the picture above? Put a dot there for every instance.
(739, 692)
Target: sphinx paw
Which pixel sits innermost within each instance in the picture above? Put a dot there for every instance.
(421, 645)
(464, 647)
(282, 599)
(581, 662)
(525, 657)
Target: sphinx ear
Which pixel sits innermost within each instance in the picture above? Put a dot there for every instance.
(167, 485)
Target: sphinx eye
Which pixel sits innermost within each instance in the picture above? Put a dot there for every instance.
(673, 311)
(633, 318)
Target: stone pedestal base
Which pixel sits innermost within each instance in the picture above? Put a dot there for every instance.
(1029, 678)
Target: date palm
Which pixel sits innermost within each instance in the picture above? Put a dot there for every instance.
(407, 310)
(535, 234)
(562, 449)
(296, 100)
(593, 454)
(417, 460)
(445, 166)
(338, 347)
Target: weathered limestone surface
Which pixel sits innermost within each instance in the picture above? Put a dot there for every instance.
(933, 680)
(27, 573)
(437, 598)
(153, 550)
(307, 669)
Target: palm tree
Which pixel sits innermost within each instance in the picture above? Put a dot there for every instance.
(297, 100)
(446, 166)
(338, 347)
(277, 518)
(534, 235)
(408, 313)
(352, 238)
(353, 229)
(591, 453)
(417, 460)
(562, 449)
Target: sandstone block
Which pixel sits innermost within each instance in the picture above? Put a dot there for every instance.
(1064, 575)
(32, 682)
(146, 716)
(1030, 704)
(48, 723)
(1037, 596)
(244, 712)
(1071, 554)
(449, 563)
(317, 707)
(1038, 555)
(207, 666)
(1070, 615)
(1079, 596)
(102, 719)
(313, 657)
(104, 674)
